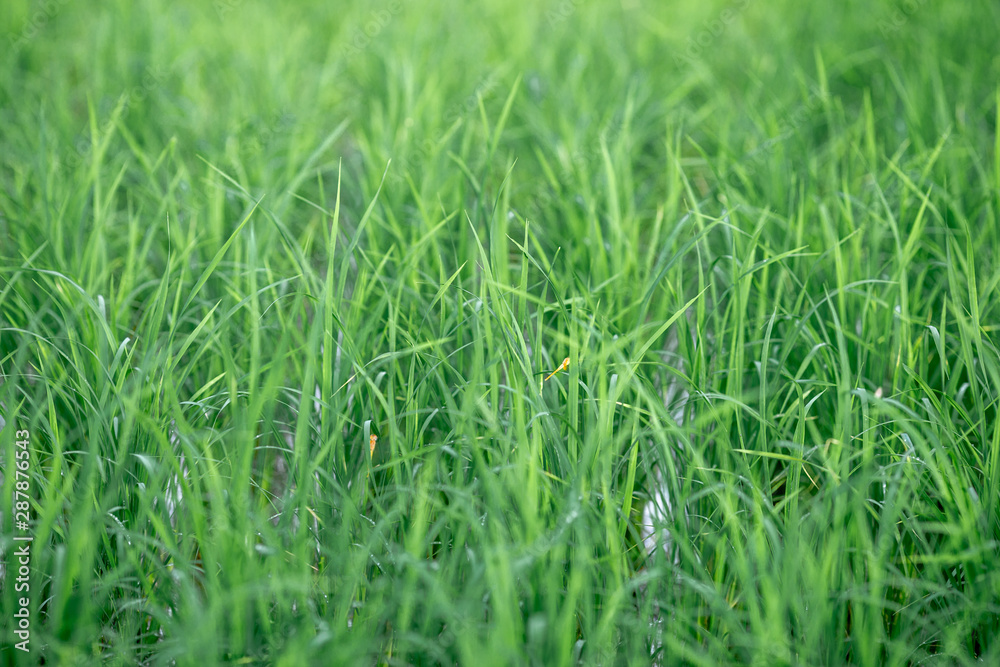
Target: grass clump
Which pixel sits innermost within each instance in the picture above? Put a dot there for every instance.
(366, 334)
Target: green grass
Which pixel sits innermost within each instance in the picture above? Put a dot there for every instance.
(237, 239)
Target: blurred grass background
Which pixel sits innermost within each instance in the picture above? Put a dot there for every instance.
(765, 235)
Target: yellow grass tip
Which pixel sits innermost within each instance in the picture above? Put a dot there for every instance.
(563, 366)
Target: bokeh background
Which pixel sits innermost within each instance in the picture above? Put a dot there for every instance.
(238, 238)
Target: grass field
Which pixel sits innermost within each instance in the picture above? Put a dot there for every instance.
(238, 239)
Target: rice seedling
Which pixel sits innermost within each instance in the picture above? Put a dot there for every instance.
(240, 242)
